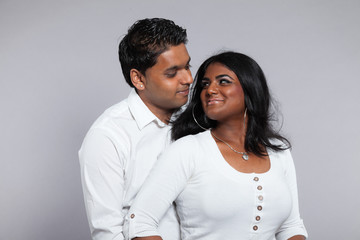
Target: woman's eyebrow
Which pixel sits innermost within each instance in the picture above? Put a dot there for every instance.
(223, 75)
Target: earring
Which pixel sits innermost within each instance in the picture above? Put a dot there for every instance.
(193, 114)
(244, 119)
(141, 85)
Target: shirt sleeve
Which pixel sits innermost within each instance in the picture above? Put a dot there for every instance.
(102, 178)
(293, 225)
(165, 182)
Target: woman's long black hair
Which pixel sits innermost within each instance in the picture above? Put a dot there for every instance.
(260, 133)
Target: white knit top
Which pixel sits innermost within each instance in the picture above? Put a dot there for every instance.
(213, 200)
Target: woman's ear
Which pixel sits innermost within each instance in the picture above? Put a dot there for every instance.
(137, 79)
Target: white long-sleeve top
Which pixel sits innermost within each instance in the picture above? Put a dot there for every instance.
(115, 158)
(213, 200)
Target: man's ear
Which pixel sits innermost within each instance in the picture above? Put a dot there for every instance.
(137, 79)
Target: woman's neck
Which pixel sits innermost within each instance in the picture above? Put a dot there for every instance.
(231, 132)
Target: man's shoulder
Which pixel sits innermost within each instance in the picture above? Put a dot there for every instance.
(114, 116)
(112, 125)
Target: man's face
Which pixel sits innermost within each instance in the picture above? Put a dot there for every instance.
(166, 84)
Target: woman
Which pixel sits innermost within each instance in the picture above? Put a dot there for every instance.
(230, 174)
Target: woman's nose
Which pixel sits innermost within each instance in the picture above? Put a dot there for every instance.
(212, 89)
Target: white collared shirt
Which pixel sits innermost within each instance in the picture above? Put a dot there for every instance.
(115, 158)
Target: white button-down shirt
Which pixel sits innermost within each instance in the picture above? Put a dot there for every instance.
(115, 158)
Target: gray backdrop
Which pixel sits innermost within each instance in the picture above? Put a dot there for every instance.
(59, 71)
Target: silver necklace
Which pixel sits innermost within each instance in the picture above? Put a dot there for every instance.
(245, 155)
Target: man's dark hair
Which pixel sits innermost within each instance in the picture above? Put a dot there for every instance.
(145, 41)
(260, 132)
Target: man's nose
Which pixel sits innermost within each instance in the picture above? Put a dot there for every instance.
(187, 78)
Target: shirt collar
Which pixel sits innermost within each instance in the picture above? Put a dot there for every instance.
(141, 113)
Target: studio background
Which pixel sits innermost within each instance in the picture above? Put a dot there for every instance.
(59, 71)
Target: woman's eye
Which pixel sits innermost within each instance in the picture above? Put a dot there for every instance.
(204, 84)
(224, 81)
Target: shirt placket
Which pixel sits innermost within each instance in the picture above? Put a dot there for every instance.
(259, 205)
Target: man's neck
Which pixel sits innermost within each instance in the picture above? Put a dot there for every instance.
(161, 114)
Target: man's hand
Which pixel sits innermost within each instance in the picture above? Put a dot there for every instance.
(148, 238)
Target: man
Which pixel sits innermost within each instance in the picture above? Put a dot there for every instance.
(124, 142)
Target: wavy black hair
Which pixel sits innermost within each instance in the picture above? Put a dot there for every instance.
(145, 41)
(260, 132)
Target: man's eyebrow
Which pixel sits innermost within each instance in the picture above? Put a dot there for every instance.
(177, 66)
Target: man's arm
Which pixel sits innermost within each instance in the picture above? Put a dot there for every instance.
(102, 178)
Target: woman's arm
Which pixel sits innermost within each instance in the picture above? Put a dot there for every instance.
(165, 182)
(293, 227)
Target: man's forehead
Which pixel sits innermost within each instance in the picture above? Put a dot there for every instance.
(175, 55)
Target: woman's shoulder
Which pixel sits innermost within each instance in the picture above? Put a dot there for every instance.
(189, 142)
(282, 157)
(192, 138)
(280, 143)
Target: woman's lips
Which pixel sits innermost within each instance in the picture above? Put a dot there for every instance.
(214, 101)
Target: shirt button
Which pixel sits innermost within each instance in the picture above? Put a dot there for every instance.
(256, 179)
(259, 208)
(255, 228)
(258, 218)
(259, 187)
(132, 215)
(261, 198)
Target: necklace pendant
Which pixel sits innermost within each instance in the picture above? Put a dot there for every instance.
(245, 157)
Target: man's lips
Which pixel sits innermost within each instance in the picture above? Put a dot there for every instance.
(184, 92)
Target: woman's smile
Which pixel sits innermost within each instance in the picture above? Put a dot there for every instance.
(213, 101)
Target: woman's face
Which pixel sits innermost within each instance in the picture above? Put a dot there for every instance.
(222, 96)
